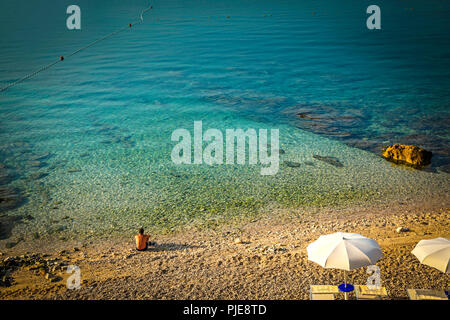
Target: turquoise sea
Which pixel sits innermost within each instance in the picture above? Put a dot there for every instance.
(85, 146)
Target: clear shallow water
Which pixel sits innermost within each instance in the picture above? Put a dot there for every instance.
(99, 124)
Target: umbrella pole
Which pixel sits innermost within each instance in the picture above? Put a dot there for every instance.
(345, 284)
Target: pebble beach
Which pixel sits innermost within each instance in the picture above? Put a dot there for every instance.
(264, 259)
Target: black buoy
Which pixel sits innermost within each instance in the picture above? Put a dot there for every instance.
(61, 58)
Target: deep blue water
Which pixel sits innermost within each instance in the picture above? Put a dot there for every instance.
(108, 112)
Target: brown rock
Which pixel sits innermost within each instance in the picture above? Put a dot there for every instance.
(408, 154)
(401, 229)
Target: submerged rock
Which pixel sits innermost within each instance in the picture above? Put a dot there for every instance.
(41, 156)
(292, 164)
(36, 164)
(5, 177)
(305, 115)
(330, 160)
(445, 168)
(9, 198)
(408, 154)
(37, 175)
(7, 224)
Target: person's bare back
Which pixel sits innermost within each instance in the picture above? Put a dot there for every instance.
(142, 240)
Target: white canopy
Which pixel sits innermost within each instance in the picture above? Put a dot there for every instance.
(434, 253)
(345, 251)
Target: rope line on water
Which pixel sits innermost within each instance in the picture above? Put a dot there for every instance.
(61, 58)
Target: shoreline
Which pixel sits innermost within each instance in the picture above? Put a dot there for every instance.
(270, 263)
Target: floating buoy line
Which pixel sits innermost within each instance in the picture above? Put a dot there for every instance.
(62, 58)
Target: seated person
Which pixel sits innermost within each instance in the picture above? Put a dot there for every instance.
(142, 240)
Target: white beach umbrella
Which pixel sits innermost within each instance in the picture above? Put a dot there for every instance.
(434, 253)
(345, 251)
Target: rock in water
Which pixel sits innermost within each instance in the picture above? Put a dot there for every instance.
(408, 154)
(5, 177)
(292, 164)
(330, 160)
(9, 198)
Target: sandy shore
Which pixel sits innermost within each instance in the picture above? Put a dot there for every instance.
(270, 263)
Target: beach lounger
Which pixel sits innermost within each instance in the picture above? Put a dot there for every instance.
(322, 296)
(369, 293)
(426, 294)
(323, 292)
